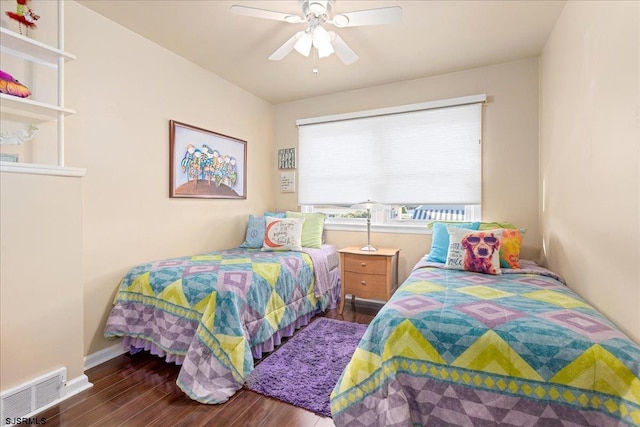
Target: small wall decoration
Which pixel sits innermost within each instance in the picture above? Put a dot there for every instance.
(206, 164)
(288, 182)
(287, 158)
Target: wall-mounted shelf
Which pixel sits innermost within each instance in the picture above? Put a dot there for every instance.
(32, 50)
(33, 169)
(33, 109)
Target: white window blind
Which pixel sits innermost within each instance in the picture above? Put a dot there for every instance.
(429, 156)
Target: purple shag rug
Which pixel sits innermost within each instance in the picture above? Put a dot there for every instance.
(305, 369)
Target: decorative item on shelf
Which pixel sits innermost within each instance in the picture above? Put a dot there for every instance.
(11, 86)
(18, 137)
(24, 15)
(368, 205)
(4, 157)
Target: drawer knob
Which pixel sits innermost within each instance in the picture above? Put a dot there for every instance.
(362, 282)
(364, 264)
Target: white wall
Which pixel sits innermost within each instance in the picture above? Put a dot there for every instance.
(590, 155)
(509, 152)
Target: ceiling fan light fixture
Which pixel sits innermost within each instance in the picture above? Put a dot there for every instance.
(325, 51)
(303, 45)
(321, 38)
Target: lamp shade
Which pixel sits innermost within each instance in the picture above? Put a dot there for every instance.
(368, 205)
(321, 38)
(303, 45)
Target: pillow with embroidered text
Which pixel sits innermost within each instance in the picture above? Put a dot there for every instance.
(283, 234)
(477, 251)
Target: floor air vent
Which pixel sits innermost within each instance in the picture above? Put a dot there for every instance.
(29, 398)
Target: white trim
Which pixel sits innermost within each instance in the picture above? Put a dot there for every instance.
(75, 386)
(380, 228)
(35, 169)
(464, 100)
(103, 355)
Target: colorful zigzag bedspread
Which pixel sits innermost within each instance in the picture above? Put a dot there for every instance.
(208, 312)
(459, 348)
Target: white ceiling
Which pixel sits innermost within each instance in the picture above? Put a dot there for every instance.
(433, 37)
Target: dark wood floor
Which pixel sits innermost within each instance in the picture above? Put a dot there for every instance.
(140, 390)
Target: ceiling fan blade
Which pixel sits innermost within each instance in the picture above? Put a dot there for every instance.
(385, 15)
(265, 14)
(286, 48)
(343, 51)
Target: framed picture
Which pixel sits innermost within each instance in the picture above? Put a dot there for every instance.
(287, 158)
(206, 164)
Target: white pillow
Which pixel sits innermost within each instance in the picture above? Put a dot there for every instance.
(471, 250)
(283, 234)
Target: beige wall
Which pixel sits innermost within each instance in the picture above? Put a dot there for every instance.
(510, 150)
(41, 297)
(126, 89)
(590, 160)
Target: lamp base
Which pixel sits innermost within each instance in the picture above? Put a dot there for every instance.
(368, 248)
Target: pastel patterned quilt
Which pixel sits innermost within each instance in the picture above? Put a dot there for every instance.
(520, 349)
(212, 313)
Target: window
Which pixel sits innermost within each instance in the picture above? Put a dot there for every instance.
(420, 162)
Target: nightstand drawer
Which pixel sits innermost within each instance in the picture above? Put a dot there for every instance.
(366, 264)
(368, 286)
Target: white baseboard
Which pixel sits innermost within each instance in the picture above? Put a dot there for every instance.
(76, 385)
(103, 355)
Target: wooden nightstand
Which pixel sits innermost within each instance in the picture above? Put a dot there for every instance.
(369, 275)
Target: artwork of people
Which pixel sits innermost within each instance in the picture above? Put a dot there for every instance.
(209, 165)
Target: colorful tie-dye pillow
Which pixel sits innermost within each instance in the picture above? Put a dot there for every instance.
(510, 244)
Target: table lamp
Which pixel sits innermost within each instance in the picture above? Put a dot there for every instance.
(368, 205)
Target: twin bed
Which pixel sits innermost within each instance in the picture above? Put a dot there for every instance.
(460, 348)
(214, 313)
(451, 347)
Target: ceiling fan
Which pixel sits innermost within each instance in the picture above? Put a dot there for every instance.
(316, 13)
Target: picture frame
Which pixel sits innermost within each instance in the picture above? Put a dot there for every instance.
(287, 158)
(206, 164)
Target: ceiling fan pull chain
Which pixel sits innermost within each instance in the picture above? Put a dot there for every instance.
(315, 57)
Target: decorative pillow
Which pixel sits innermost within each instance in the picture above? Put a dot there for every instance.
(283, 234)
(275, 214)
(255, 232)
(510, 243)
(477, 251)
(440, 239)
(311, 229)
